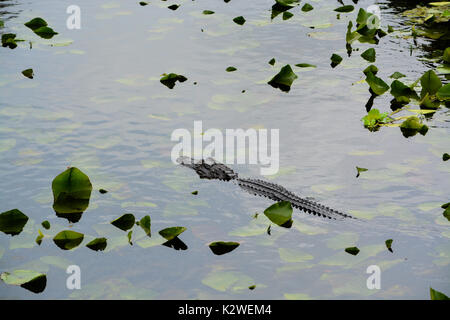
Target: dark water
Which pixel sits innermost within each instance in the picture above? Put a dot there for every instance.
(96, 103)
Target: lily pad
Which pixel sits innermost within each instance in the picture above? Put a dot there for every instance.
(45, 32)
(174, 7)
(377, 85)
(46, 224)
(444, 92)
(239, 20)
(208, 12)
(28, 73)
(352, 250)
(335, 60)
(345, 9)
(305, 65)
(307, 7)
(389, 244)
(98, 244)
(287, 15)
(103, 191)
(30, 280)
(145, 224)
(369, 55)
(430, 83)
(231, 69)
(221, 247)
(280, 213)
(172, 232)
(411, 126)
(284, 79)
(9, 40)
(71, 194)
(397, 75)
(445, 157)
(436, 295)
(374, 119)
(36, 23)
(12, 222)
(124, 222)
(170, 79)
(68, 239)
(272, 61)
(39, 238)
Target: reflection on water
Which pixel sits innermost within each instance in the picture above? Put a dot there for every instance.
(96, 102)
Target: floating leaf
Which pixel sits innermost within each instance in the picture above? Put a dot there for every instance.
(71, 194)
(231, 69)
(252, 287)
(239, 20)
(446, 213)
(98, 244)
(68, 239)
(377, 85)
(125, 222)
(143, 3)
(9, 40)
(444, 92)
(280, 213)
(130, 233)
(305, 65)
(397, 75)
(436, 295)
(284, 79)
(335, 60)
(36, 23)
(174, 7)
(46, 224)
(374, 119)
(28, 73)
(220, 247)
(103, 191)
(272, 61)
(45, 32)
(352, 250)
(346, 8)
(169, 79)
(207, 12)
(359, 170)
(372, 69)
(430, 83)
(12, 222)
(369, 55)
(171, 233)
(194, 192)
(307, 7)
(145, 223)
(287, 3)
(445, 157)
(287, 15)
(389, 244)
(30, 280)
(411, 126)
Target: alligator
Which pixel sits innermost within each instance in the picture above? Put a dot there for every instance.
(210, 169)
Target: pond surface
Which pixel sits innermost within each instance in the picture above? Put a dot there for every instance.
(96, 103)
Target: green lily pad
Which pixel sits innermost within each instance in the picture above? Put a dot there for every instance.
(68, 239)
(39, 238)
(430, 83)
(36, 23)
(372, 69)
(352, 250)
(145, 223)
(280, 213)
(307, 7)
(130, 233)
(287, 15)
(335, 60)
(377, 85)
(71, 194)
(446, 213)
(9, 40)
(445, 157)
(207, 12)
(411, 126)
(194, 192)
(359, 170)
(305, 65)
(45, 32)
(389, 244)
(436, 295)
(397, 75)
(103, 191)
(143, 3)
(369, 55)
(124, 222)
(402, 92)
(46, 224)
(12, 222)
(174, 7)
(374, 119)
(239, 20)
(345, 9)
(444, 92)
(30, 280)
(284, 79)
(221, 247)
(231, 69)
(98, 244)
(170, 79)
(172, 232)
(28, 73)
(272, 61)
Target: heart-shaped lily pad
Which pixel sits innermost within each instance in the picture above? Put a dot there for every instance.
(221, 247)
(12, 222)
